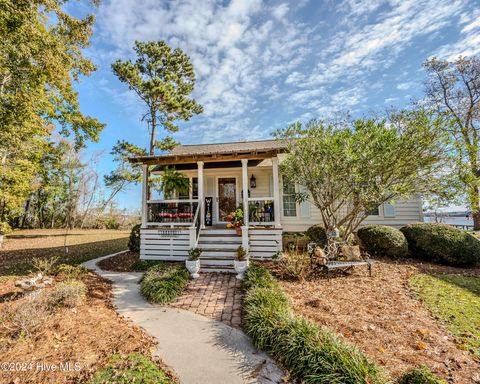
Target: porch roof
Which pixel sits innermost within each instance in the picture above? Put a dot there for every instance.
(260, 149)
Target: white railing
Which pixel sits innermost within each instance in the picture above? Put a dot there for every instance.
(261, 211)
(171, 212)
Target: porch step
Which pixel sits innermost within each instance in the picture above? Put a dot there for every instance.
(219, 249)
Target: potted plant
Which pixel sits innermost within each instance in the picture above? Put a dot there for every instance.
(4, 229)
(193, 262)
(172, 182)
(241, 262)
(236, 220)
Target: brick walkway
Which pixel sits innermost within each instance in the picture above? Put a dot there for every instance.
(214, 295)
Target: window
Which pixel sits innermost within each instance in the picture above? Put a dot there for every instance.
(388, 210)
(194, 187)
(289, 203)
(374, 212)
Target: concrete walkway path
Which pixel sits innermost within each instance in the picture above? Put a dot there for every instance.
(199, 350)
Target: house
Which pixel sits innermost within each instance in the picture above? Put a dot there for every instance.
(223, 176)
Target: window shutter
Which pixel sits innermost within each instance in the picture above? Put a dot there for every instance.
(304, 205)
(388, 210)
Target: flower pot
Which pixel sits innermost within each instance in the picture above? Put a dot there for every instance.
(193, 266)
(240, 268)
(238, 230)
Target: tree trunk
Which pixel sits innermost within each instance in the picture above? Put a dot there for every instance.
(154, 128)
(476, 219)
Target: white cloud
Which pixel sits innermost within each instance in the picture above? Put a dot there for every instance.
(406, 85)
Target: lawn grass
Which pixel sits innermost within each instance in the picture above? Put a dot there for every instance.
(22, 246)
(455, 300)
(135, 368)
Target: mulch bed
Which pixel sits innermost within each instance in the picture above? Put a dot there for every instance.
(381, 316)
(119, 263)
(88, 334)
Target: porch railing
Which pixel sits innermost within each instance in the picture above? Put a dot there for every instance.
(171, 212)
(260, 211)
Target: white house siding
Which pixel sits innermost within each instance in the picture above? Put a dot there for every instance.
(406, 210)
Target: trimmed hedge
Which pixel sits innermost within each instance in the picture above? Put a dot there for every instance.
(317, 234)
(163, 283)
(442, 243)
(134, 241)
(420, 376)
(311, 353)
(381, 240)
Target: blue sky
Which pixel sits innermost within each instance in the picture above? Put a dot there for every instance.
(263, 64)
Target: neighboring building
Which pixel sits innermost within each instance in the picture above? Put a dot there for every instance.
(222, 176)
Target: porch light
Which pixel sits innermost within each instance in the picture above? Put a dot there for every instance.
(253, 182)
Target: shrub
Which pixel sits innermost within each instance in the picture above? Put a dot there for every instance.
(317, 234)
(111, 223)
(143, 265)
(66, 294)
(295, 241)
(25, 318)
(135, 368)
(442, 243)
(71, 272)
(134, 241)
(45, 265)
(312, 354)
(163, 283)
(4, 228)
(380, 240)
(419, 376)
(295, 264)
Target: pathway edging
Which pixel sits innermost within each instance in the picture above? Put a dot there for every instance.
(198, 349)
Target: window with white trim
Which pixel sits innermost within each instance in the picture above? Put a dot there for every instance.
(289, 202)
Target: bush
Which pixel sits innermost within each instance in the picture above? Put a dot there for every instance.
(442, 243)
(380, 240)
(163, 283)
(317, 234)
(143, 265)
(45, 265)
(420, 376)
(24, 319)
(311, 353)
(66, 294)
(71, 272)
(135, 368)
(134, 241)
(295, 264)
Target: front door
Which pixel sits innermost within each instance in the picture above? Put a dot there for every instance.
(227, 197)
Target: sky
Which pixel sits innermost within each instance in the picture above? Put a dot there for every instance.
(261, 65)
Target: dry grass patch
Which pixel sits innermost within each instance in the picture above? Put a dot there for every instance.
(382, 317)
(21, 247)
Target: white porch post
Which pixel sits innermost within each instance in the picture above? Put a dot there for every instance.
(276, 192)
(144, 195)
(245, 191)
(201, 198)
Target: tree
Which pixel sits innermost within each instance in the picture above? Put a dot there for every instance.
(126, 173)
(163, 79)
(348, 170)
(40, 59)
(453, 88)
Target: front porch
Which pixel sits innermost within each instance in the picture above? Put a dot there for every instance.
(218, 185)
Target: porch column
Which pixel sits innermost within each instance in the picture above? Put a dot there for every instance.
(201, 198)
(276, 192)
(144, 195)
(245, 191)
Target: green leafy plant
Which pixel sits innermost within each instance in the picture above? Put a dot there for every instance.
(134, 240)
(134, 368)
(241, 254)
(311, 353)
(295, 265)
(173, 181)
(194, 254)
(442, 243)
(71, 272)
(4, 228)
(236, 217)
(380, 240)
(144, 265)
(421, 375)
(45, 265)
(163, 283)
(317, 234)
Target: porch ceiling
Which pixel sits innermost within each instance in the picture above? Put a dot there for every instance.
(207, 165)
